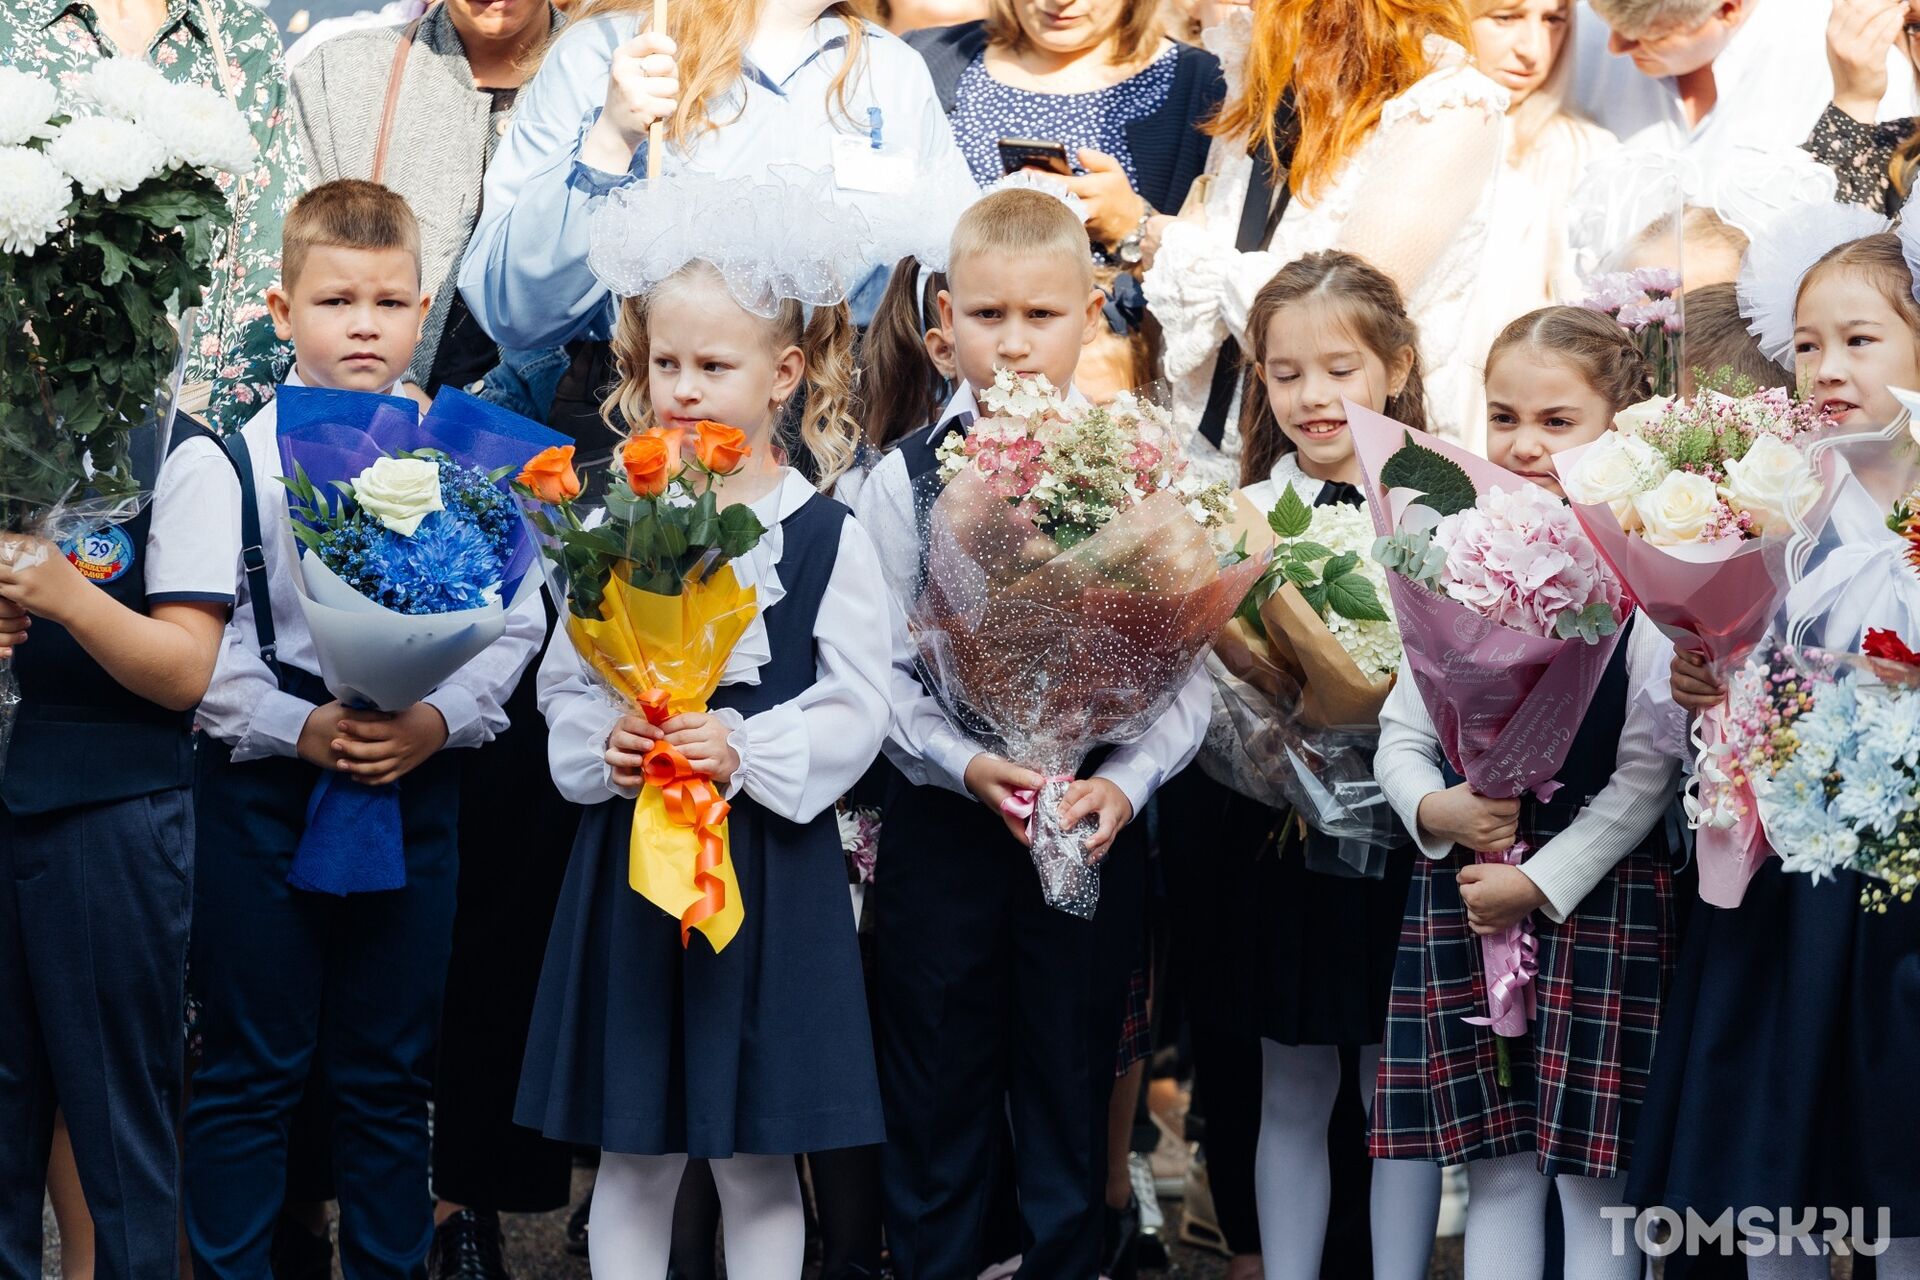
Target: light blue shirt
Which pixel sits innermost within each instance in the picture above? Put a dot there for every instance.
(525, 275)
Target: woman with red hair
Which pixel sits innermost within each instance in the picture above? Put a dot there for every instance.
(1360, 126)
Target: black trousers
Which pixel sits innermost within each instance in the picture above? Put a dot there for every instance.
(515, 834)
(94, 903)
(992, 1005)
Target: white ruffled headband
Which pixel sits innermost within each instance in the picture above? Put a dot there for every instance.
(1782, 253)
(771, 239)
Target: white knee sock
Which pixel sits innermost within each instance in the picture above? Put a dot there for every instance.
(1901, 1261)
(1290, 1177)
(1506, 1218)
(630, 1232)
(1589, 1235)
(1405, 1204)
(763, 1221)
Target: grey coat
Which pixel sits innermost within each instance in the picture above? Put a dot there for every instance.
(436, 157)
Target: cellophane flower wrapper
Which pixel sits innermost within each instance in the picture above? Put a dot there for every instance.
(1847, 571)
(639, 646)
(1296, 719)
(1505, 703)
(1043, 652)
(371, 655)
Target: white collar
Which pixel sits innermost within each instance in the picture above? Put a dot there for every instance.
(1286, 471)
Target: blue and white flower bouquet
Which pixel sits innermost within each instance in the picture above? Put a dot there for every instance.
(414, 555)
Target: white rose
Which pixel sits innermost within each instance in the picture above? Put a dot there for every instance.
(1612, 470)
(400, 492)
(1635, 417)
(1772, 484)
(1679, 510)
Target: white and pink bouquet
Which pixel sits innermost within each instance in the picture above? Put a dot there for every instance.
(1073, 583)
(1646, 303)
(1508, 618)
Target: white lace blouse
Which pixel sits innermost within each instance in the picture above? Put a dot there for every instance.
(1415, 201)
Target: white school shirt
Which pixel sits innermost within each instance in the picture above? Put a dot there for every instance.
(796, 758)
(186, 553)
(525, 276)
(245, 707)
(1772, 82)
(929, 748)
(1646, 772)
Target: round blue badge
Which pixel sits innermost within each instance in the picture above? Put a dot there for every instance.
(102, 556)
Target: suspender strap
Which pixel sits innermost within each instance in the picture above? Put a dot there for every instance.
(253, 556)
(395, 74)
(1268, 194)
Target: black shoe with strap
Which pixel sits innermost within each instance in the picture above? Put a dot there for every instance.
(467, 1247)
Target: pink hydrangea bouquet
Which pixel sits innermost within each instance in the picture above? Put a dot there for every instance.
(1646, 303)
(1508, 618)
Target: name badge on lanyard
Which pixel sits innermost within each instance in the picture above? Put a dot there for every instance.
(863, 163)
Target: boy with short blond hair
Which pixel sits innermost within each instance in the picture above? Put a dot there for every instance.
(305, 989)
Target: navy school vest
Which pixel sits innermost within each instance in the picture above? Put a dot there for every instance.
(81, 737)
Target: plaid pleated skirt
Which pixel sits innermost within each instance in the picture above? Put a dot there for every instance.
(1577, 1081)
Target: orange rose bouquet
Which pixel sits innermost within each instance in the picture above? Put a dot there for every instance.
(651, 603)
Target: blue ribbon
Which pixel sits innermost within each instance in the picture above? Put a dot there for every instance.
(353, 841)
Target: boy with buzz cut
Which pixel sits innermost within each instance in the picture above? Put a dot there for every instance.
(989, 1005)
(346, 990)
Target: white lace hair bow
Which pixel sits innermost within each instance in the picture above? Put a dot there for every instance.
(773, 238)
(1782, 253)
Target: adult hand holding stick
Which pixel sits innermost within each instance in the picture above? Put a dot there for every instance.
(643, 90)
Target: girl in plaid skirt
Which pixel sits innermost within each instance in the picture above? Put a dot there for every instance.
(1598, 886)
(1786, 1079)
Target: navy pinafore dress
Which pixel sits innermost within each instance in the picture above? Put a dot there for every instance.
(642, 1047)
(1578, 1080)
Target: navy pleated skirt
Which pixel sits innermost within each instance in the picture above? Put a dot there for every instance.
(639, 1046)
(1788, 1070)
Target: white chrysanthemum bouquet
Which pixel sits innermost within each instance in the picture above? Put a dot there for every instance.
(108, 210)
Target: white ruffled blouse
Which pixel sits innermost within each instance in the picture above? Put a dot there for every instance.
(796, 758)
(1415, 201)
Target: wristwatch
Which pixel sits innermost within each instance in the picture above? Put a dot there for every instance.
(1133, 246)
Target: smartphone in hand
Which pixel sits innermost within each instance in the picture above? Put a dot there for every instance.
(1034, 153)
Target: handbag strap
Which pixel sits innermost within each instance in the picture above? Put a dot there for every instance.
(1268, 194)
(253, 556)
(395, 74)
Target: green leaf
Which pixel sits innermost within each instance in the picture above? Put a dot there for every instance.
(1300, 575)
(1290, 516)
(1341, 565)
(1316, 597)
(1353, 596)
(1308, 552)
(1441, 482)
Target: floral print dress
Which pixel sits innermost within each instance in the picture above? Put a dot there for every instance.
(233, 342)
(1861, 157)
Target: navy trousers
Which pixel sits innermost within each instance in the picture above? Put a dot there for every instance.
(94, 907)
(991, 1006)
(293, 983)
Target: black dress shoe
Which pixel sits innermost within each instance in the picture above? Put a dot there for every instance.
(297, 1253)
(467, 1247)
(1120, 1249)
(577, 1225)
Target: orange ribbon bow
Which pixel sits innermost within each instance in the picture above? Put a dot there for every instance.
(692, 802)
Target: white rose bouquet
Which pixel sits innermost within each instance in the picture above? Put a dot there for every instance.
(107, 216)
(1692, 503)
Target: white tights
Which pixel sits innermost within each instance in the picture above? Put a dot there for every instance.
(1900, 1261)
(631, 1231)
(1507, 1223)
(1294, 1187)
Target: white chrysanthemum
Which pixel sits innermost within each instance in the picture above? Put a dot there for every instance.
(199, 128)
(33, 199)
(26, 104)
(119, 87)
(107, 156)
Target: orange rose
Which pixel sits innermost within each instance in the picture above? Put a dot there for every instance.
(720, 448)
(550, 475)
(671, 438)
(647, 462)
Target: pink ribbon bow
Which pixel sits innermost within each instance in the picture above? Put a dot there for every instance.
(1021, 802)
(1510, 958)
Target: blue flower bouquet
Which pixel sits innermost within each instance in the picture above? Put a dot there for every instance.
(414, 553)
